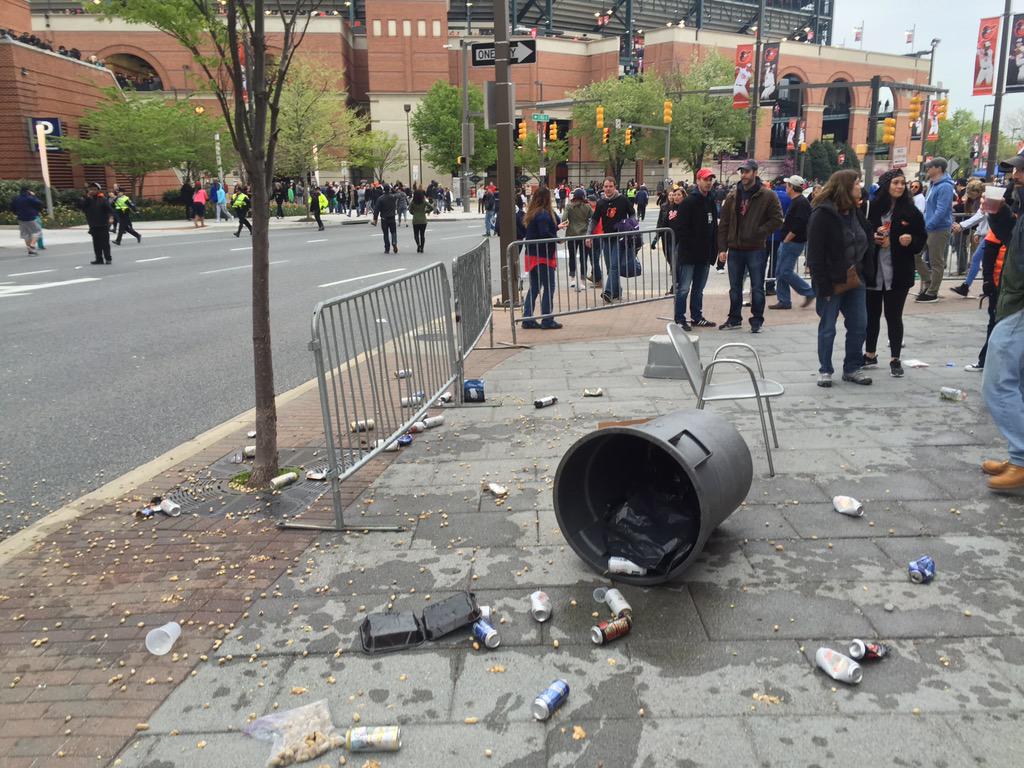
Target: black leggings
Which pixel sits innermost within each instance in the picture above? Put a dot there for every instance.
(242, 221)
(419, 234)
(892, 301)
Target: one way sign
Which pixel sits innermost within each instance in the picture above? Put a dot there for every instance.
(520, 52)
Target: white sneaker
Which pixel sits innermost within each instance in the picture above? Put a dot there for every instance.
(825, 380)
(572, 283)
(974, 367)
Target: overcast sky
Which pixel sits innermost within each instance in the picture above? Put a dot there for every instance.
(955, 22)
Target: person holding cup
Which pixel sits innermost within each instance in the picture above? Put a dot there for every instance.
(898, 235)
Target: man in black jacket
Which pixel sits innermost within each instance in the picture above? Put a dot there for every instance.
(385, 209)
(794, 238)
(611, 211)
(697, 248)
(99, 216)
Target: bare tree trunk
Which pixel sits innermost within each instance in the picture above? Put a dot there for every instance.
(266, 465)
(138, 182)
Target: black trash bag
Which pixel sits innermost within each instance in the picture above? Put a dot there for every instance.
(657, 523)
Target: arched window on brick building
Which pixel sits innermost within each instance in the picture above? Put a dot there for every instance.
(787, 107)
(133, 72)
(835, 121)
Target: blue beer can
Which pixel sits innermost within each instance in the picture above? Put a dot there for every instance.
(550, 700)
(921, 570)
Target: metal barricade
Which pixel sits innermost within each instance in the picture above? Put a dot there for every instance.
(471, 288)
(383, 355)
(960, 247)
(575, 291)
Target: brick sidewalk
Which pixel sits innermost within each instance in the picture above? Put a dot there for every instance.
(93, 589)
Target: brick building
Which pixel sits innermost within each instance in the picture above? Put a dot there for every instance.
(390, 52)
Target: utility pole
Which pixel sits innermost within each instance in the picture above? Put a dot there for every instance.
(869, 157)
(506, 162)
(755, 91)
(467, 150)
(993, 144)
(220, 165)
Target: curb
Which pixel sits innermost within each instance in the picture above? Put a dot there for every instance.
(40, 529)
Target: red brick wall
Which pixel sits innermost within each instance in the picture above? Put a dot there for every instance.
(14, 14)
(400, 63)
(51, 86)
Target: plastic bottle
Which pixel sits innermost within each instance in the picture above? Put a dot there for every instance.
(838, 667)
(544, 402)
(952, 393)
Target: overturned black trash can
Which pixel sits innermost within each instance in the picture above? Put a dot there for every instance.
(651, 493)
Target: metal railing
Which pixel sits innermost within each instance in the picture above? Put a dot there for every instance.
(471, 288)
(383, 356)
(583, 276)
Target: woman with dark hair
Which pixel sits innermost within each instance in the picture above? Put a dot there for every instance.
(917, 192)
(838, 239)
(541, 262)
(419, 208)
(899, 235)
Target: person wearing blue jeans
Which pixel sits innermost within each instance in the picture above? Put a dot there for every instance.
(1003, 386)
(838, 240)
(690, 282)
(696, 234)
(794, 236)
(610, 252)
(750, 214)
(541, 261)
(611, 210)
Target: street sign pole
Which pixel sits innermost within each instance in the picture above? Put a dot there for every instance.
(44, 165)
(464, 170)
(506, 164)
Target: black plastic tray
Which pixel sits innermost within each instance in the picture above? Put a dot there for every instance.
(446, 616)
(387, 632)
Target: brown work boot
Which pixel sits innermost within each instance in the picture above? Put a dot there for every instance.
(1011, 479)
(993, 467)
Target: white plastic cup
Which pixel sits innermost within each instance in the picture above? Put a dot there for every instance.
(992, 199)
(159, 641)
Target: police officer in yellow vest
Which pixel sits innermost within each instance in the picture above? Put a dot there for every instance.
(318, 204)
(123, 207)
(240, 207)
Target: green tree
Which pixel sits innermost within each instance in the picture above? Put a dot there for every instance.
(437, 126)
(955, 137)
(129, 135)
(313, 114)
(195, 132)
(823, 159)
(531, 158)
(379, 151)
(228, 42)
(705, 124)
(630, 100)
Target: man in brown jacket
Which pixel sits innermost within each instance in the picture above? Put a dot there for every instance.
(749, 215)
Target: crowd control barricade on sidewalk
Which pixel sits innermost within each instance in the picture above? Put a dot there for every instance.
(583, 273)
(383, 355)
(471, 288)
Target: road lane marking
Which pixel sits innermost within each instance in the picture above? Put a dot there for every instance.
(361, 277)
(36, 272)
(242, 266)
(246, 248)
(458, 237)
(23, 290)
(155, 258)
(317, 241)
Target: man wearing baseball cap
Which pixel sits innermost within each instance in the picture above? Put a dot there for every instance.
(938, 221)
(794, 238)
(750, 214)
(696, 248)
(1003, 386)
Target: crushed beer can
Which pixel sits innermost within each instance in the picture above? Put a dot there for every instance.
(550, 700)
(544, 402)
(593, 392)
(497, 491)
(485, 634)
(362, 425)
(614, 600)
(838, 667)
(606, 631)
(540, 606)
(403, 373)
(416, 398)
(404, 441)
(922, 570)
(847, 505)
(865, 650)
(383, 738)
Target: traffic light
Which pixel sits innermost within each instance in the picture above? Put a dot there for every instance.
(553, 131)
(606, 135)
(522, 131)
(667, 117)
(629, 136)
(803, 146)
(941, 108)
(600, 117)
(915, 108)
(889, 130)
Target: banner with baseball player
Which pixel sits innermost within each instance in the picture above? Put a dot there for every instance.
(791, 134)
(744, 74)
(933, 120)
(1015, 59)
(769, 74)
(984, 57)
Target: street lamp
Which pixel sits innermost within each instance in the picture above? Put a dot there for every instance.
(408, 141)
(469, 18)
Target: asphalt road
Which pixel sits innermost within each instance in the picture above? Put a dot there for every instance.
(103, 368)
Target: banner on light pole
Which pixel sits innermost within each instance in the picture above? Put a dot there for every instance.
(769, 74)
(984, 57)
(1015, 61)
(744, 73)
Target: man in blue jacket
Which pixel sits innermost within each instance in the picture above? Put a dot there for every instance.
(27, 207)
(938, 220)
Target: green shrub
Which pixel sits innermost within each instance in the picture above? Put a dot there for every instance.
(63, 217)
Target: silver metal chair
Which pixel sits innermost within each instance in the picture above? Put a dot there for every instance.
(758, 388)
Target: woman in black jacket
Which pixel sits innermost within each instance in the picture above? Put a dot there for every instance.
(838, 239)
(899, 234)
